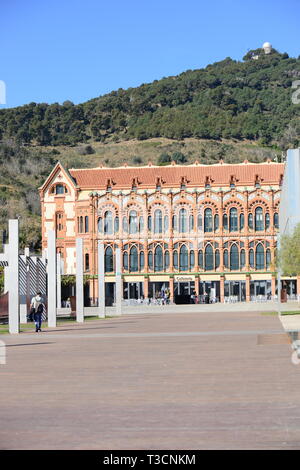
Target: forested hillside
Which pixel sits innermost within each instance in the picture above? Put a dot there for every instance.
(230, 99)
(230, 110)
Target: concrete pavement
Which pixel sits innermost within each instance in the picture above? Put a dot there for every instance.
(151, 381)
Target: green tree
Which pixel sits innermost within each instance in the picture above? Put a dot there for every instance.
(289, 253)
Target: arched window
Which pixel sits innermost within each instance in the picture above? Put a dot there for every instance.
(250, 220)
(142, 260)
(260, 257)
(158, 259)
(125, 261)
(149, 223)
(199, 222)
(175, 259)
(200, 259)
(191, 223)
(86, 223)
(158, 221)
(233, 220)
(192, 259)
(182, 221)
(116, 224)
(108, 260)
(243, 258)
(216, 222)
(276, 220)
(108, 223)
(242, 221)
(141, 224)
(125, 225)
(267, 220)
(251, 258)
(133, 259)
(259, 219)
(150, 259)
(174, 222)
(167, 259)
(217, 258)
(209, 258)
(166, 223)
(225, 222)
(100, 225)
(87, 261)
(208, 221)
(183, 259)
(234, 258)
(81, 224)
(133, 222)
(268, 258)
(225, 255)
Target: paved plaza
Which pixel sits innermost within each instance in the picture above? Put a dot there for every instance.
(187, 380)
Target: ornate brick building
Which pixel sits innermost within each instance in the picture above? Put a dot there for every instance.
(203, 229)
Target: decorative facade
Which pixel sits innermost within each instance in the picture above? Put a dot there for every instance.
(192, 229)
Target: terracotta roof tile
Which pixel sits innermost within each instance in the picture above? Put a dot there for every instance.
(195, 175)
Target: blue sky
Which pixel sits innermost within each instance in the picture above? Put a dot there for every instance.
(52, 51)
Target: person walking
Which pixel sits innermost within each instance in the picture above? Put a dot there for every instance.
(38, 307)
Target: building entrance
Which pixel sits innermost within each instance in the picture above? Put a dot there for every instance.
(183, 292)
(260, 289)
(158, 290)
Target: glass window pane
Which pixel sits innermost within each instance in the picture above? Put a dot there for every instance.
(208, 224)
(234, 257)
(150, 259)
(259, 219)
(276, 220)
(175, 259)
(217, 258)
(260, 257)
(183, 221)
(125, 260)
(216, 222)
(225, 222)
(108, 260)
(133, 225)
(233, 220)
(242, 221)
(116, 224)
(243, 258)
(167, 259)
(209, 259)
(199, 222)
(200, 259)
(133, 259)
(108, 223)
(166, 223)
(225, 258)
(183, 258)
(100, 224)
(141, 227)
(142, 260)
(192, 259)
(125, 225)
(158, 259)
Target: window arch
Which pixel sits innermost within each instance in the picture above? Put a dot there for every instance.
(183, 259)
(200, 259)
(158, 221)
(133, 222)
(200, 222)
(216, 222)
(242, 221)
(234, 257)
(233, 220)
(259, 257)
(276, 220)
(108, 260)
(100, 224)
(108, 223)
(225, 222)
(259, 219)
(182, 220)
(209, 258)
(208, 220)
(81, 224)
(267, 221)
(158, 259)
(250, 221)
(133, 259)
(175, 259)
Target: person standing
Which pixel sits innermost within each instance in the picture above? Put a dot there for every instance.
(38, 305)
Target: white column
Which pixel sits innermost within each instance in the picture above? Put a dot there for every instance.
(13, 277)
(118, 282)
(101, 281)
(58, 280)
(79, 280)
(51, 253)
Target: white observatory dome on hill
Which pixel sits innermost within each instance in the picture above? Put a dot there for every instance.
(267, 47)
